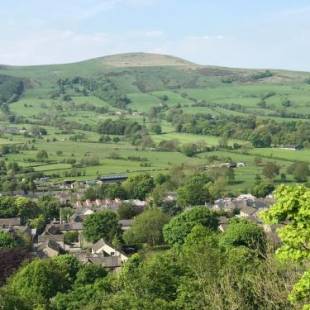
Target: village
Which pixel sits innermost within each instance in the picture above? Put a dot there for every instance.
(53, 240)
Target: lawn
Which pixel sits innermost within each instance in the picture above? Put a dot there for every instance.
(300, 155)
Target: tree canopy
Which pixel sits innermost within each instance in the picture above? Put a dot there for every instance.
(147, 228)
(194, 191)
(244, 233)
(99, 225)
(292, 208)
(181, 225)
(139, 186)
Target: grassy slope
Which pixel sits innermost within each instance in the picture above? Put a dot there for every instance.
(146, 79)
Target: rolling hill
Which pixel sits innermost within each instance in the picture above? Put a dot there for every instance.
(143, 72)
(190, 103)
(147, 78)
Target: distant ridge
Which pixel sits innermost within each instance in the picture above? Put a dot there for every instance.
(142, 60)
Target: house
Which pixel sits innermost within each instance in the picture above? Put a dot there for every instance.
(125, 224)
(111, 204)
(247, 212)
(136, 203)
(68, 184)
(228, 165)
(113, 178)
(109, 262)
(170, 197)
(6, 223)
(271, 233)
(105, 249)
(47, 236)
(78, 204)
(63, 197)
(55, 231)
(88, 212)
(223, 223)
(246, 197)
(51, 248)
(103, 254)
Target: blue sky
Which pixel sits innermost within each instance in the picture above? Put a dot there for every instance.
(236, 33)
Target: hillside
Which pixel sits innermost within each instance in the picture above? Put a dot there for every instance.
(110, 106)
(142, 60)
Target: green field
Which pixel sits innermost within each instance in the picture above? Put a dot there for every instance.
(70, 101)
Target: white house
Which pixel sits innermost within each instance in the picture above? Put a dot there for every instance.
(102, 248)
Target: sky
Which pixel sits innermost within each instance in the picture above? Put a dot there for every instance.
(234, 33)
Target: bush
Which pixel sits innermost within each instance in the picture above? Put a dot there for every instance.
(71, 237)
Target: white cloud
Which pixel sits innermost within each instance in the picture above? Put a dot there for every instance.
(96, 7)
(52, 46)
(277, 41)
(153, 33)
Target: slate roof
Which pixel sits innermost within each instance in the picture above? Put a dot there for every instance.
(248, 210)
(13, 221)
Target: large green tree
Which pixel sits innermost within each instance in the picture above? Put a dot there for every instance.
(139, 186)
(300, 171)
(99, 225)
(292, 212)
(271, 170)
(244, 233)
(194, 191)
(39, 281)
(181, 225)
(147, 228)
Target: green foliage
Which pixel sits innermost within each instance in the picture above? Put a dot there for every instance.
(153, 280)
(271, 170)
(81, 296)
(301, 291)
(189, 149)
(7, 240)
(9, 301)
(8, 207)
(88, 274)
(244, 233)
(119, 127)
(181, 225)
(38, 223)
(38, 281)
(147, 228)
(156, 128)
(71, 237)
(18, 207)
(127, 211)
(11, 89)
(139, 186)
(262, 75)
(99, 225)
(110, 191)
(261, 140)
(68, 266)
(300, 171)
(194, 191)
(42, 155)
(262, 189)
(292, 207)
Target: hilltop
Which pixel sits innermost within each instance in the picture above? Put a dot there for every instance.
(129, 60)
